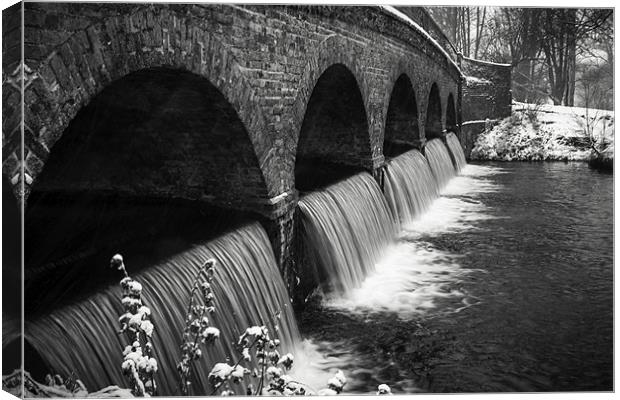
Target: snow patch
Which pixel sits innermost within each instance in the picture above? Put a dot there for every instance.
(486, 62)
(476, 80)
(394, 12)
(478, 121)
(547, 132)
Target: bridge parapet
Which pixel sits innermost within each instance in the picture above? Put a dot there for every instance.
(422, 17)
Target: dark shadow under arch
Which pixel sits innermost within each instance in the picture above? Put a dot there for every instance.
(333, 141)
(401, 126)
(433, 127)
(157, 132)
(451, 122)
(11, 251)
(11, 276)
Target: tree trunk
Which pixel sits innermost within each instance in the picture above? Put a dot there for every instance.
(571, 59)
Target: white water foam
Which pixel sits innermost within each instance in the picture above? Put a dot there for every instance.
(314, 366)
(320, 360)
(414, 277)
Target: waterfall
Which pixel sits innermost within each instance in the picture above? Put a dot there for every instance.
(439, 159)
(345, 229)
(457, 150)
(81, 337)
(409, 186)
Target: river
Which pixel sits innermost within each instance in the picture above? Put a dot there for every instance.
(505, 284)
(502, 283)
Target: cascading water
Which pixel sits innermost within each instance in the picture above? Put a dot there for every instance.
(439, 159)
(81, 338)
(345, 227)
(457, 150)
(409, 186)
(414, 276)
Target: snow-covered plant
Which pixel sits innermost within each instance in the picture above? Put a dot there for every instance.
(71, 384)
(532, 111)
(269, 377)
(334, 385)
(138, 364)
(384, 389)
(269, 371)
(197, 328)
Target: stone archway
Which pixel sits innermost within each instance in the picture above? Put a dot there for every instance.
(91, 59)
(334, 130)
(433, 126)
(401, 127)
(158, 157)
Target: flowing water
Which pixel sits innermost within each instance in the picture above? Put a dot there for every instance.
(439, 159)
(409, 186)
(505, 284)
(456, 150)
(249, 291)
(413, 276)
(345, 228)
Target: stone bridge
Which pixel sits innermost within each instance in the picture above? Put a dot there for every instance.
(233, 106)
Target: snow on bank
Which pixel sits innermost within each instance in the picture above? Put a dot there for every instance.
(547, 132)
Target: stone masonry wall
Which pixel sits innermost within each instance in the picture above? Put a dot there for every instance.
(486, 90)
(12, 75)
(264, 59)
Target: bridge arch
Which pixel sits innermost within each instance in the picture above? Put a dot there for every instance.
(433, 125)
(402, 131)
(334, 130)
(158, 159)
(157, 132)
(334, 50)
(99, 55)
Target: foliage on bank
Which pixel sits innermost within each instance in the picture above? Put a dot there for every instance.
(548, 133)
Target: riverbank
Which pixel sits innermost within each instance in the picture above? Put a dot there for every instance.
(550, 133)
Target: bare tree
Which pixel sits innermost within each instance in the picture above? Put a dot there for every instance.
(543, 45)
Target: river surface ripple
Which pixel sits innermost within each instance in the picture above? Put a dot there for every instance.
(510, 274)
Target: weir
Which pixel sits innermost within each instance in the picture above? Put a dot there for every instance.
(440, 162)
(409, 186)
(452, 141)
(249, 291)
(345, 229)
